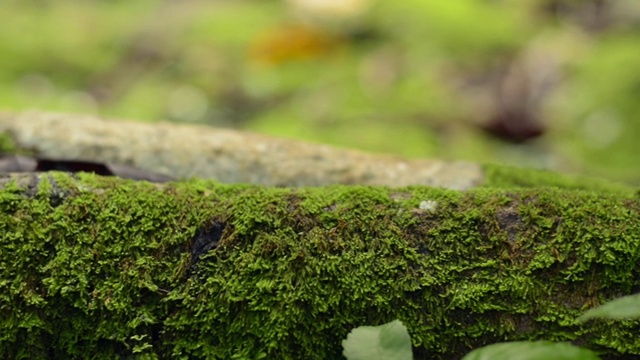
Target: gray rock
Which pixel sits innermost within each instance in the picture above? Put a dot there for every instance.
(186, 151)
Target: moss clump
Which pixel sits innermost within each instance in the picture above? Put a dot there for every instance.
(512, 177)
(6, 144)
(102, 268)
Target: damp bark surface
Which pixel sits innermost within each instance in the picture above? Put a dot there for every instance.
(197, 269)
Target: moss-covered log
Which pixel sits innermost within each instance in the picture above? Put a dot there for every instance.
(94, 267)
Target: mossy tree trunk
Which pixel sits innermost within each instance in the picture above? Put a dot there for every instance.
(103, 268)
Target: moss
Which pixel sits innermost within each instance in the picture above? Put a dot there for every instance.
(513, 177)
(113, 268)
(6, 144)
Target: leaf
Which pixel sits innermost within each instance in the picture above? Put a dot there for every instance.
(531, 350)
(390, 341)
(624, 308)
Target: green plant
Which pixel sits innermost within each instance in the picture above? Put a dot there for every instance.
(391, 341)
(624, 308)
(388, 341)
(531, 350)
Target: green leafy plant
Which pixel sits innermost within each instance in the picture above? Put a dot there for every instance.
(388, 341)
(624, 308)
(531, 350)
(391, 341)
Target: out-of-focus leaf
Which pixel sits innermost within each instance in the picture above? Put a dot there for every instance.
(390, 341)
(624, 308)
(531, 350)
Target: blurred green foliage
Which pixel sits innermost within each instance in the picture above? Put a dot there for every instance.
(414, 78)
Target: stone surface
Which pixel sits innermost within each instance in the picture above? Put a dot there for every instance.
(185, 151)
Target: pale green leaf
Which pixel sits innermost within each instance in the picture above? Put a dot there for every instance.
(390, 341)
(531, 350)
(624, 308)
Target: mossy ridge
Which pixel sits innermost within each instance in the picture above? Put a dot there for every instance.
(105, 271)
(504, 176)
(7, 144)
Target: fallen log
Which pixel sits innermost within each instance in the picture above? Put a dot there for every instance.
(103, 267)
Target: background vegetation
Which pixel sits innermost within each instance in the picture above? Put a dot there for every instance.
(543, 83)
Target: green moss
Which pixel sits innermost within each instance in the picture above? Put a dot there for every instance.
(513, 177)
(107, 267)
(6, 144)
